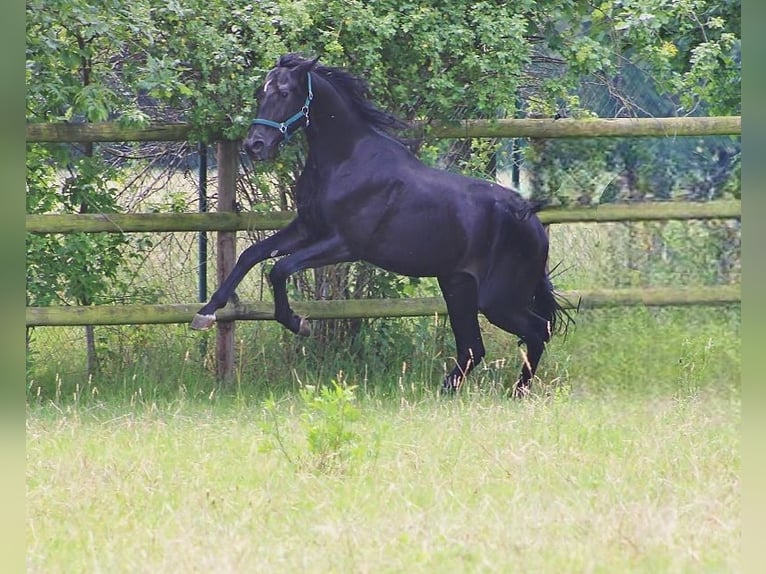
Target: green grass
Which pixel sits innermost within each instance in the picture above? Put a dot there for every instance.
(626, 457)
(479, 484)
(635, 349)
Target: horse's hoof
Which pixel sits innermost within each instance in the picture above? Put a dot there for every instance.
(520, 392)
(202, 322)
(304, 329)
(450, 387)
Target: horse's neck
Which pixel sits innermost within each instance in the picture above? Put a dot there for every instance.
(334, 128)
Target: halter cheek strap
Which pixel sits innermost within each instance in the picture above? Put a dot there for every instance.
(285, 125)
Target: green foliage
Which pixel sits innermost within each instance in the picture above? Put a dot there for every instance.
(460, 59)
(72, 47)
(83, 59)
(424, 60)
(212, 56)
(593, 171)
(328, 413)
(567, 172)
(692, 48)
(643, 58)
(77, 268)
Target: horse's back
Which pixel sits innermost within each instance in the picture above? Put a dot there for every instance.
(416, 220)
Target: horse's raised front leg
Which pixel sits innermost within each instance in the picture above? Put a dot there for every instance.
(283, 242)
(324, 252)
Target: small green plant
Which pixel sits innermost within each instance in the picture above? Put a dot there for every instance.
(273, 429)
(327, 422)
(693, 361)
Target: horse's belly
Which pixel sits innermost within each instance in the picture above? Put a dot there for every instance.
(410, 268)
(416, 256)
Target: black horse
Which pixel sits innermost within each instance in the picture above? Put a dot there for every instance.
(363, 195)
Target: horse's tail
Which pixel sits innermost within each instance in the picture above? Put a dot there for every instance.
(536, 205)
(553, 308)
(531, 207)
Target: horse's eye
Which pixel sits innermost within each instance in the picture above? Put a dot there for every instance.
(284, 93)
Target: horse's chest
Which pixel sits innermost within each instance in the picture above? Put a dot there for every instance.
(310, 205)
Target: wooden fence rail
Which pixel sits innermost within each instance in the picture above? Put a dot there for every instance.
(227, 221)
(503, 128)
(365, 308)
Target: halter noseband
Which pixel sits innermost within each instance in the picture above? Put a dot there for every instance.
(285, 125)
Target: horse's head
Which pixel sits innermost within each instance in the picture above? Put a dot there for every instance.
(284, 106)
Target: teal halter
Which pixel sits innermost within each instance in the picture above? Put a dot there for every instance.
(285, 125)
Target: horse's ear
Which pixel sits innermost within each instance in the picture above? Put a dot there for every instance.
(308, 65)
(297, 62)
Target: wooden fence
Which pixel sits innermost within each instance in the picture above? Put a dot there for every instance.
(226, 222)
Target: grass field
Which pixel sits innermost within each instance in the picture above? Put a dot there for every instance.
(556, 484)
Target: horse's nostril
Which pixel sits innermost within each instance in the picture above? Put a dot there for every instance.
(254, 147)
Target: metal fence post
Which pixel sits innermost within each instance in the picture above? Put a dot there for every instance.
(202, 192)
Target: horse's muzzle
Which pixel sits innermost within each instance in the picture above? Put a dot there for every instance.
(259, 150)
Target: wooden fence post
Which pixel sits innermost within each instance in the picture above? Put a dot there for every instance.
(226, 254)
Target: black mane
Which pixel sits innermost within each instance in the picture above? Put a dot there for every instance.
(354, 89)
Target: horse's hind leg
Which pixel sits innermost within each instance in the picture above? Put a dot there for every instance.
(535, 346)
(460, 294)
(532, 331)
